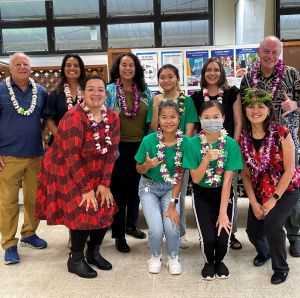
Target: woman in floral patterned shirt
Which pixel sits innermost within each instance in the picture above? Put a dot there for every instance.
(271, 180)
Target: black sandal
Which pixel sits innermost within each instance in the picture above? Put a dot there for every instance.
(234, 243)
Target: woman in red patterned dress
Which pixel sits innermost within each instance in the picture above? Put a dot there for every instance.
(74, 180)
(271, 180)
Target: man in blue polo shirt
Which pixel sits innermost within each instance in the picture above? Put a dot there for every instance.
(21, 109)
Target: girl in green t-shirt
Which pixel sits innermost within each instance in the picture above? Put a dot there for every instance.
(159, 160)
(169, 81)
(212, 158)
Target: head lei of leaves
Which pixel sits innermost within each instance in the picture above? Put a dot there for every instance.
(256, 96)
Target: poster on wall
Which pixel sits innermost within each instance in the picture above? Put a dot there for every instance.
(149, 61)
(191, 91)
(194, 62)
(175, 58)
(226, 58)
(244, 61)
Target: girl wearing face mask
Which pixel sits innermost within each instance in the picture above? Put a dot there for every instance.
(169, 81)
(214, 86)
(212, 158)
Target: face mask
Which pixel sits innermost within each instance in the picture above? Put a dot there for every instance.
(212, 125)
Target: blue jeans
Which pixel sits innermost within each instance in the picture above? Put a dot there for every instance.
(155, 198)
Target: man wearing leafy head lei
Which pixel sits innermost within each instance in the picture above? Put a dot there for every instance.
(283, 83)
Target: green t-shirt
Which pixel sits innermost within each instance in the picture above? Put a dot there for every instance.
(149, 144)
(189, 114)
(232, 157)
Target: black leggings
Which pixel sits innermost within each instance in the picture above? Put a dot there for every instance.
(206, 205)
(79, 238)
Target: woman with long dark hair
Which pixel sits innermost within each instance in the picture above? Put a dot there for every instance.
(129, 96)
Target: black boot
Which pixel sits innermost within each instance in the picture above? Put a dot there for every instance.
(78, 265)
(94, 257)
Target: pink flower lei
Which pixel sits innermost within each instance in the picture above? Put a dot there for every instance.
(257, 167)
(177, 159)
(279, 68)
(95, 126)
(219, 98)
(214, 179)
(135, 97)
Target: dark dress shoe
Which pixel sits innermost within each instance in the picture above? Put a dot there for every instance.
(279, 277)
(77, 265)
(135, 232)
(295, 248)
(122, 245)
(94, 257)
(260, 260)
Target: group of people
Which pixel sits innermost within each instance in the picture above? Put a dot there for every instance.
(114, 146)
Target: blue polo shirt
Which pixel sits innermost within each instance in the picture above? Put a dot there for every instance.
(21, 136)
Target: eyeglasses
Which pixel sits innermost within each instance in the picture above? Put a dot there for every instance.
(93, 90)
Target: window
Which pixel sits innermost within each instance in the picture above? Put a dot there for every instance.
(24, 11)
(131, 35)
(77, 38)
(70, 9)
(185, 33)
(183, 6)
(117, 8)
(24, 40)
(288, 19)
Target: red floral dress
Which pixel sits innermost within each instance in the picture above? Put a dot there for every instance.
(72, 167)
(265, 182)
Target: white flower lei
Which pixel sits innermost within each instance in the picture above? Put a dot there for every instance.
(161, 157)
(19, 109)
(69, 100)
(211, 177)
(219, 98)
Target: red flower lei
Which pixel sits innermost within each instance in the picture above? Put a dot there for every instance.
(219, 98)
(136, 104)
(257, 167)
(95, 126)
(276, 80)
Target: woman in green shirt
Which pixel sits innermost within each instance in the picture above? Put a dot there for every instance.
(212, 158)
(159, 160)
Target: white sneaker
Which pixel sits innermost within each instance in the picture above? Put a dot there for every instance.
(184, 243)
(154, 264)
(174, 265)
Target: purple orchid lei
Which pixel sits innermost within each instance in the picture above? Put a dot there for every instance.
(69, 100)
(257, 167)
(135, 97)
(161, 156)
(95, 126)
(279, 68)
(214, 179)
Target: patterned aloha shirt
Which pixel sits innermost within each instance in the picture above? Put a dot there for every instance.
(291, 85)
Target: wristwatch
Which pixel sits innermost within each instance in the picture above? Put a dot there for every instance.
(276, 196)
(174, 200)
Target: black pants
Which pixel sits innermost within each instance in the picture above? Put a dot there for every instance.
(79, 237)
(124, 187)
(268, 235)
(206, 204)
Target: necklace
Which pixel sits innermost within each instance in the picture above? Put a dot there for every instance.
(135, 97)
(177, 159)
(214, 179)
(219, 98)
(95, 126)
(21, 111)
(181, 102)
(276, 80)
(259, 166)
(69, 100)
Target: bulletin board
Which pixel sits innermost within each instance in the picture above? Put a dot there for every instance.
(291, 54)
